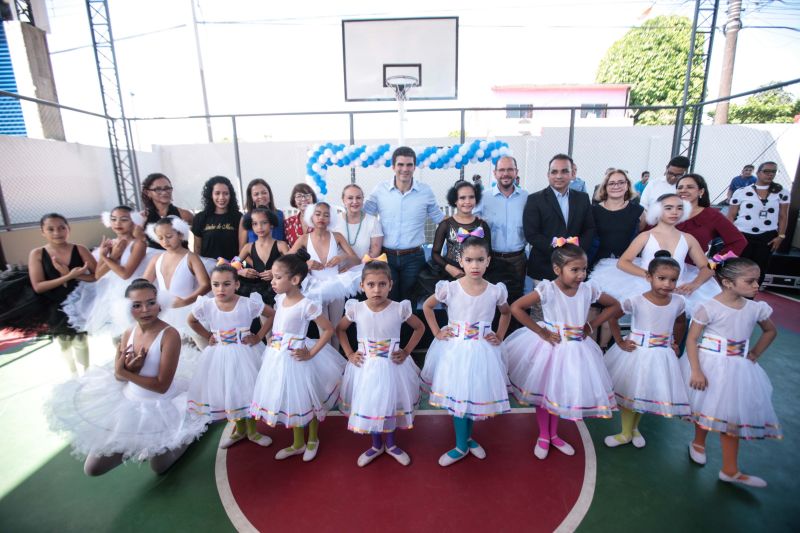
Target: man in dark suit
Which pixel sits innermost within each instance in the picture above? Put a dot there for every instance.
(555, 211)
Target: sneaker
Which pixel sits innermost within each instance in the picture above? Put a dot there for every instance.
(368, 456)
(399, 455)
(261, 440)
(476, 449)
(738, 477)
(638, 439)
(312, 447)
(447, 459)
(698, 457)
(612, 441)
(289, 452)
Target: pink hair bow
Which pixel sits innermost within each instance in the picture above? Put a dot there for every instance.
(717, 259)
(558, 242)
(462, 234)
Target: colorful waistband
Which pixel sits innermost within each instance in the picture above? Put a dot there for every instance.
(378, 347)
(281, 340)
(567, 332)
(231, 336)
(728, 347)
(471, 331)
(648, 339)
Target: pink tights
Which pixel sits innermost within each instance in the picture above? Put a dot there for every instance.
(548, 428)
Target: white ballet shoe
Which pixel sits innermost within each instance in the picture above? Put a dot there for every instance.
(261, 440)
(612, 441)
(289, 452)
(695, 456)
(476, 449)
(748, 480)
(564, 447)
(366, 458)
(539, 452)
(310, 452)
(232, 438)
(402, 457)
(638, 439)
(446, 459)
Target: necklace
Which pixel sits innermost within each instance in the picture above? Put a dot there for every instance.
(347, 227)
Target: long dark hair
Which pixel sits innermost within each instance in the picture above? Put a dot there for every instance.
(146, 184)
(208, 189)
(248, 201)
(704, 200)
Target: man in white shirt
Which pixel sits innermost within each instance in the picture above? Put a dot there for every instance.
(676, 169)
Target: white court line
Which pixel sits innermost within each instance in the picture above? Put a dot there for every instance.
(569, 524)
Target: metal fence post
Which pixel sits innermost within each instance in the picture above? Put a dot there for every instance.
(571, 143)
(236, 159)
(352, 142)
(462, 137)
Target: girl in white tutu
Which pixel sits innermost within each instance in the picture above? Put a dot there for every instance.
(137, 410)
(178, 273)
(331, 278)
(380, 388)
(644, 368)
(299, 378)
(728, 390)
(99, 308)
(626, 277)
(222, 386)
(555, 365)
(464, 367)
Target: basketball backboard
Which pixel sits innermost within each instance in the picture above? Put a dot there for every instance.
(423, 48)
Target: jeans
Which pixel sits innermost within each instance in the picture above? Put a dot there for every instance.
(405, 270)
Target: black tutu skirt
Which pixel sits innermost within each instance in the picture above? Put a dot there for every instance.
(21, 308)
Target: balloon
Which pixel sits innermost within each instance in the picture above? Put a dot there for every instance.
(434, 158)
(457, 158)
(480, 154)
(315, 167)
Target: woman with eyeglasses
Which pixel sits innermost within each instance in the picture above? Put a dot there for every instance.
(302, 196)
(761, 212)
(157, 202)
(705, 223)
(618, 219)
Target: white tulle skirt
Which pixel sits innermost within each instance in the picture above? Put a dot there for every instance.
(292, 392)
(466, 377)
(737, 400)
(648, 380)
(621, 285)
(103, 416)
(223, 383)
(380, 396)
(569, 379)
(325, 288)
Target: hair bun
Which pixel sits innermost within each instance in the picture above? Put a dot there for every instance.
(662, 253)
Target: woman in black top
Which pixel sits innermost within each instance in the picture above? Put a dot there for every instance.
(216, 227)
(617, 219)
(157, 202)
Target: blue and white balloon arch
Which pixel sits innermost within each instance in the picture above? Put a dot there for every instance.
(324, 156)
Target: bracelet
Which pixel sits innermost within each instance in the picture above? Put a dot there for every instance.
(782, 235)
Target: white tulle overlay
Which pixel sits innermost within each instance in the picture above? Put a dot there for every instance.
(648, 379)
(380, 395)
(622, 285)
(329, 284)
(100, 307)
(466, 374)
(568, 379)
(103, 416)
(223, 384)
(738, 398)
(292, 392)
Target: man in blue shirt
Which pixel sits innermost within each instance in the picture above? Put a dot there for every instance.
(502, 208)
(739, 182)
(403, 205)
(576, 184)
(641, 184)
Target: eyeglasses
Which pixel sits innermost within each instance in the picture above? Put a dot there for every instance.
(615, 184)
(676, 174)
(160, 189)
(506, 170)
(769, 171)
(301, 196)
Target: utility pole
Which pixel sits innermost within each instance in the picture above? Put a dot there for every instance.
(202, 72)
(731, 30)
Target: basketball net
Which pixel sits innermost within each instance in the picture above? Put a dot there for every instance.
(401, 85)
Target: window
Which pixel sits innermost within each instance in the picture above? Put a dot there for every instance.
(594, 110)
(519, 111)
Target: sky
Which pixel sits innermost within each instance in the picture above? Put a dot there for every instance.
(287, 56)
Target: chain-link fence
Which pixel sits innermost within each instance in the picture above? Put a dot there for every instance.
(74, 175)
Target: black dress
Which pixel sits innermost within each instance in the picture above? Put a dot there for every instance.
(25, 310)
(615, 230)
(153, 216)
(248, 286)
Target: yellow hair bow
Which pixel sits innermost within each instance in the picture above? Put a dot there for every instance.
(368, 259)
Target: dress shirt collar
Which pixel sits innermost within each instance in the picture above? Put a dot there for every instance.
(496, 191)
(394, 185)
(560, 195)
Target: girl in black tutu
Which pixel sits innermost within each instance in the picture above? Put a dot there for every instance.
(452, 231)
(32, 298)
(258, 256)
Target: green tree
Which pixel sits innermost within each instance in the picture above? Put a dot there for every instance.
(652, 59)
(773, 106)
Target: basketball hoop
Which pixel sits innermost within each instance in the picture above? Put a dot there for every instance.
(401, 85)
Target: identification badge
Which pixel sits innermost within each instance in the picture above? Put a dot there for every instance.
(762, 213)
